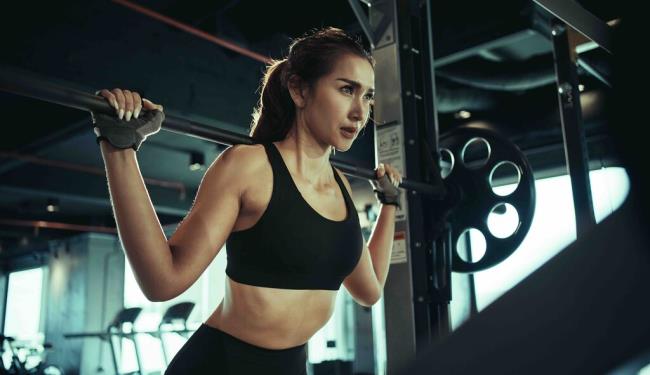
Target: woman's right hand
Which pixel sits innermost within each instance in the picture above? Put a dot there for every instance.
(131, 126)
(128, 103)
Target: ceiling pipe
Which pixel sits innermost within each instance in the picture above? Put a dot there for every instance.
(67, 226)
(194, 31)
(55, 225)
(91, 170)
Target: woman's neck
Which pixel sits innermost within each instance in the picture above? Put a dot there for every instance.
(306, 156)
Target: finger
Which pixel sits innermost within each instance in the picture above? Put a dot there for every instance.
(109, 97)
(129, 104)
(137, 102)
(381, 170)
(149, 105)
(389, 170)
(394, 173)
(121, 102)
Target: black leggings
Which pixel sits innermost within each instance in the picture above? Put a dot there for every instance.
(212, 351)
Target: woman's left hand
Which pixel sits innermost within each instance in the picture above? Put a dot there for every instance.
(386, 186)
(393, 174)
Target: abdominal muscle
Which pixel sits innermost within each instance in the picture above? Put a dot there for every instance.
(272, 318)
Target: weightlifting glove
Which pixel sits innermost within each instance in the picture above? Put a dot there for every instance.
(127, 134)
(385, 191)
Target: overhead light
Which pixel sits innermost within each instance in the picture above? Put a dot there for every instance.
(581, 88)
(463, 114)
(52, 205)
(197, 161)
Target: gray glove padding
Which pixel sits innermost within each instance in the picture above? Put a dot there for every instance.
(386, 192)
(127, 134)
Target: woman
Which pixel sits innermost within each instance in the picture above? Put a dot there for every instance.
(291, 230)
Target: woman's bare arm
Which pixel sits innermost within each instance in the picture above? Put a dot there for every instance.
(164, 269)
(367, 280)
(139, 230)
(203, 232)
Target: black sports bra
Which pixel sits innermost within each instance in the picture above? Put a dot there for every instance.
(292, 246)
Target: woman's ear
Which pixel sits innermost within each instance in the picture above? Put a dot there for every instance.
(297, 90)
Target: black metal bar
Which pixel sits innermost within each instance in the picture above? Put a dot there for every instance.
(363, 21)
(439, 273)
(30, 85)
(430, 82)
(430, 307)
(580, 19)
(575, 145)
(442, 258)
(27, 84)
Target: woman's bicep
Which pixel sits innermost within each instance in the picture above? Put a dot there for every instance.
(203, 232)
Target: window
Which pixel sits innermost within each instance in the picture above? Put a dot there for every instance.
(553, 228)
(23, 308)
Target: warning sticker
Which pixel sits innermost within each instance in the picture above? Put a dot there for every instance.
(390, 151)
(390, 142)
(399, 248)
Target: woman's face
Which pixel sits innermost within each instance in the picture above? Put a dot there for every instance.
(338, 106)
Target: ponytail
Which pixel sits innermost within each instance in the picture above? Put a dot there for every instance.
(275, 111)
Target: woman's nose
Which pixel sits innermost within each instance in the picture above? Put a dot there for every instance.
(356, 112)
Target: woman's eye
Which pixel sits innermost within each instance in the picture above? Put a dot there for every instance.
(347, 89)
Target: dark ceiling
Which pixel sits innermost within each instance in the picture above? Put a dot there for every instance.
(493, 59)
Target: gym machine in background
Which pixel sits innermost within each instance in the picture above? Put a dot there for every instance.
(585, 310)
(122, 327)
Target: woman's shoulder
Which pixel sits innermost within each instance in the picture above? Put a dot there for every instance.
(245, 152)
(245, 163)
(245, 158)
(239, 166)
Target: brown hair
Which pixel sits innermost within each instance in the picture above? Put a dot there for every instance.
(311, 57)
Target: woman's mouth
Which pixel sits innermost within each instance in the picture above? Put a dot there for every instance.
(349, 132)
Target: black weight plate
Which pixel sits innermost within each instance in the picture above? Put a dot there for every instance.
(478, 199)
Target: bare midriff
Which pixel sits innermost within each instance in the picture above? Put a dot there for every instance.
(272, 318)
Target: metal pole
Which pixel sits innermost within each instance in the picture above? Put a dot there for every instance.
(30, 85)
(575, 145)
(580, 19)
(114, 353)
